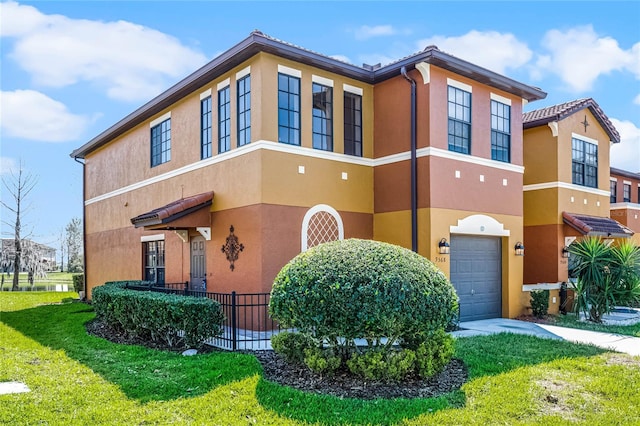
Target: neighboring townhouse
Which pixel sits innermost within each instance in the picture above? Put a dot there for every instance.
(625, 199)
(270, 149)
(566, 188)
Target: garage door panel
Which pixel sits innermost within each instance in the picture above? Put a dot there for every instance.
(476, 274)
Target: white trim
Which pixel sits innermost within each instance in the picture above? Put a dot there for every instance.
(307, 152)
(160, 119)
(524, 102)
(626, 182)
(289, 71)
(541, 286)
(584, 138)
(500, 99)
(183, 234)
(224, 83)
(458, 84)
(205, 94)
(564, 185)
(612, 179)
(425, 70)
(321, 80)
(479, 224)
(352, 89)
(622, 206)
(553, 125)
(244, 72)
(307, 217)
(205, 231)
(155, 237)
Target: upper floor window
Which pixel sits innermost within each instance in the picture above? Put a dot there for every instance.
(500, 131)
(244, 110)
(205, 127)
(459, 106)
(288, 109)
(626, 193)
(224, 120)
(352, 124)
(153, 259)
(322, 127)
(161, 143)
(584, 163)
(613, 188)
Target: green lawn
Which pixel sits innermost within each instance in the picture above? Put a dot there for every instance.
(79, 379)
(570, 320)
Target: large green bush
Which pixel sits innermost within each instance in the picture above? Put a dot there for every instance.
(360, 289)
(172, 319)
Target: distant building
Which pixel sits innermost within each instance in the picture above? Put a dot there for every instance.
(46, 254)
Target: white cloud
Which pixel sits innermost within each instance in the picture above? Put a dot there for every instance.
(636, 100)
(28, 114)
(129, 61)
(342, 58)
(8, 165)
(490, 49)
(366, 32)
(626, 154)
(579, 56)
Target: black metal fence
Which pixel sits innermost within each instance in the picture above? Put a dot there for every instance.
(247, 324)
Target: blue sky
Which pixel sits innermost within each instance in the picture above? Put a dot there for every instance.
(71, 69)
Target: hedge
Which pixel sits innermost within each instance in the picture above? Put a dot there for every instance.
(158, 317)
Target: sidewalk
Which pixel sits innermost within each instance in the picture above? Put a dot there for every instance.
(616, 342)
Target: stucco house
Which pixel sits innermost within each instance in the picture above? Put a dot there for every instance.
(625, 199)
(270, 149)
(566, 188)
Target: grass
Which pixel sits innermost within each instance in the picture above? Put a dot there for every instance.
(570, 320)
(79, 379)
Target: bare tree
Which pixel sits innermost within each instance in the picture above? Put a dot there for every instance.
(19, 184)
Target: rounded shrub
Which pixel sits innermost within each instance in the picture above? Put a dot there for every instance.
(349, 289)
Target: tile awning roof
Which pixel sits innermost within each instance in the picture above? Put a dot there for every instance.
(596, 225)
(558, 112)
(174, 210)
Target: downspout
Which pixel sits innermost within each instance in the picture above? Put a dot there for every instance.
(414, 165)
(84, 229)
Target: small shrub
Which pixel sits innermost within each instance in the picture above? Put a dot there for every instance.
(434, 354)
(379, 365)
(291, 345)
(322, 361)
(78, 282)
(540, 302)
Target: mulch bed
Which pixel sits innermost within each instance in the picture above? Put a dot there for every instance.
(341, 384)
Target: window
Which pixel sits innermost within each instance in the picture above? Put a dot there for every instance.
(205, 127)
(584, 163)
(154, 261)
(224, 120)
(500, 132)
(626, 193)
(352, 124)
(459, 120)
(613, 188)
(288, 109)
(244, 110)
(161, 143)
(322, 127)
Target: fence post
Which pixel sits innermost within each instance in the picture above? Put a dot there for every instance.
(234, 331)
(186, 288)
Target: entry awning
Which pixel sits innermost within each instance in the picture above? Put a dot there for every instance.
(596, 226)
(173, 211)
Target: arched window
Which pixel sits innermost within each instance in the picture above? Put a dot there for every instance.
(321, 224)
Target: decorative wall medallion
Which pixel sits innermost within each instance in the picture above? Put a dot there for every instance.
(585, 123)
(232, 248)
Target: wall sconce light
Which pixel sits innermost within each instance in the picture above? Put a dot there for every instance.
(443, 246)
(565, 251)
(519, 249)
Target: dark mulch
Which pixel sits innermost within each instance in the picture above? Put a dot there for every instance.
(298, 376)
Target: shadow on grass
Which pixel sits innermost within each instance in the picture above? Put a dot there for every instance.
(483, 355)
(143, 374)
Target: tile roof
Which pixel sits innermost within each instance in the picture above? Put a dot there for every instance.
(596, 225)
(558, 112)
(174, 210)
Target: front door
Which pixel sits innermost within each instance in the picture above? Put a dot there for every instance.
(198, 264)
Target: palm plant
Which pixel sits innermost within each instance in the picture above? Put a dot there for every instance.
(626, 261)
